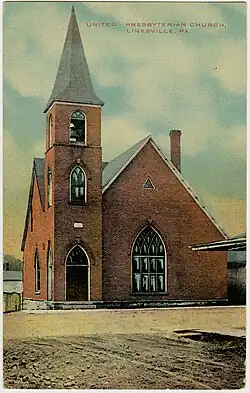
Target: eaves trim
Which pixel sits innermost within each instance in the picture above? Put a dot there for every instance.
(188, 188)
(111, 181)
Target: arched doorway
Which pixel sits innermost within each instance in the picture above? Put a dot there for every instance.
(77, 275)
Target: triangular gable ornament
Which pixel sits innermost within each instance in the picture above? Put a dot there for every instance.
(148, 184)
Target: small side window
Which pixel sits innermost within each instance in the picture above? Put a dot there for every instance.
(49, 188)
(37, 273)
(50, 132)
(148, 184)
(31, 219)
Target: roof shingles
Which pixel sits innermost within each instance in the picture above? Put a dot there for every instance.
(113, 168)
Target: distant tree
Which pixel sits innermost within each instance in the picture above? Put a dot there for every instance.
(12, 263)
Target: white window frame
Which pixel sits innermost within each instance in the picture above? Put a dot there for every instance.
(88, 265)
(50, 131)
(50, 266)
(49, 187)
(37, 269)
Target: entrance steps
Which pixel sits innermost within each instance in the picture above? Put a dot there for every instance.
(71, 305)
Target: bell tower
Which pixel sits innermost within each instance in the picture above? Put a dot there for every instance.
(73, 172)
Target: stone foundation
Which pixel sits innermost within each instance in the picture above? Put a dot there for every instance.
(29, 304)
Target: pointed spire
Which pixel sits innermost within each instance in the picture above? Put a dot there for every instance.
(73, 81)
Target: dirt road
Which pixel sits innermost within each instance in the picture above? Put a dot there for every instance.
(120, 356)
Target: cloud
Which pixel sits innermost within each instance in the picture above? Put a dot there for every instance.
(126, 128)
(230, 212)
(17, 175)
(12, 156)
(134, 12)
(240, 7)
(167, 84)
(226, 62)
(14, 216)
(235, 142)
(33, 39)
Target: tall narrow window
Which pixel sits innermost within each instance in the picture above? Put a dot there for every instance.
(77, 127)
(148, 262)
(37, 273)
(49, 187)
(78, 185)
(49, 272)
(50, 132)
(31, 219)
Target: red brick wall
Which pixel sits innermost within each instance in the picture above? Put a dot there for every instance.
(37, 239)
(65, 214)
(90, 214)
(178, 219)
(61, 118)
(57, 222)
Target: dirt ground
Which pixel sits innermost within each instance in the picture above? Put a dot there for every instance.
(126, 349)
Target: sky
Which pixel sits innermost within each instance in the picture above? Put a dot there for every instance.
(151, 82)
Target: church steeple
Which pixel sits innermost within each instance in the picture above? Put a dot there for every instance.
(73, 82)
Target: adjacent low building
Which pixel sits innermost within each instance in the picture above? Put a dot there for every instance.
(236, 263)
(12, 290)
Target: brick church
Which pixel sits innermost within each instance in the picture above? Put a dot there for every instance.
(116, 233)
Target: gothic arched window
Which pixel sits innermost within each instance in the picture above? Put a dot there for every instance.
(77, 127)
(78, 185)
(37, 273)
(148, 262)
(50, 132)
(77, 257)
(49, 271)
(49, 187)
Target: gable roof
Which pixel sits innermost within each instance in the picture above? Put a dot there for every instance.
(38, 173)
(110, 172)
(73, 82)
(235, 243)
(115, 167)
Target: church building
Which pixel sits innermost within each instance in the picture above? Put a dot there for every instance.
(111, 234)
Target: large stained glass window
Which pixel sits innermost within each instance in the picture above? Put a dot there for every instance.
(148, 262)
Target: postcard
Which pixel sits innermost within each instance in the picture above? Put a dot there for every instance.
(124, 135)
